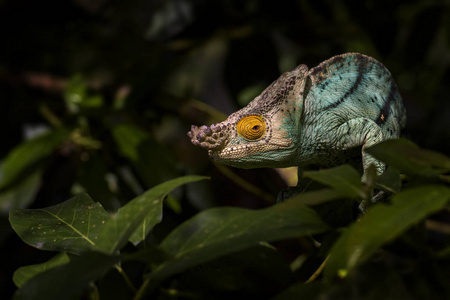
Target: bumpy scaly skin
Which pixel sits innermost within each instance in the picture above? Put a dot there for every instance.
(317, 116)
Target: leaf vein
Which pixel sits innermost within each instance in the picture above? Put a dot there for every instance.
(70, 226)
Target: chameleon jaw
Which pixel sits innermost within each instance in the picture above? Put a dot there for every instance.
(230, 152)
(255, 152)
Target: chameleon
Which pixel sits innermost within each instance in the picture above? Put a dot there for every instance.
(324, 116)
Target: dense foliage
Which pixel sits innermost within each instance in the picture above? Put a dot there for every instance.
(97, 170)
(224, 243)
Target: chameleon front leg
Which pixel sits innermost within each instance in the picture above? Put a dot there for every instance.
(365, 133)
(360, 132)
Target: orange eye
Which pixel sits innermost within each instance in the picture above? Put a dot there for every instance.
(251, 128)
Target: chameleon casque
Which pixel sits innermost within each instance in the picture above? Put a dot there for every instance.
(325, 116)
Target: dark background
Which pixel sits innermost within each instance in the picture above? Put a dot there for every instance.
(163, 58)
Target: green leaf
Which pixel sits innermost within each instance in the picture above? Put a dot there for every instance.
(153, 171)
(92, 101)
(390, 180)
(135, 220)
(128, 138)
(343, 178)
(220, 231)
(72, 226)
(318, 197)
(382, 224)
(136, 145)
(409, 158)
(76, 95)
(24, 274)
(92, 175)
(68, 281)
(20, 195)
(28, 153)
(248, 94)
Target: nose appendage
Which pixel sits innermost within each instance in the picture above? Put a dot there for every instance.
(208, 137)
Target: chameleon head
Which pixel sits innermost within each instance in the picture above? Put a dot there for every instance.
(262, 133)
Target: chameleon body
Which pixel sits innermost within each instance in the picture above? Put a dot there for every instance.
(323, 116)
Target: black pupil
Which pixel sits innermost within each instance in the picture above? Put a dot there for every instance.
(256, 127)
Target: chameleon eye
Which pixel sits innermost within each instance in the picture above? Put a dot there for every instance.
(251, 128)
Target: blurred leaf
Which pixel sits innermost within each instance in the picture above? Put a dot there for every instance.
(20, 195)
(220, 231)
(137, 146)
(248, 94)
(233, 176)
(334, 207)
(92, 101)
(135, 220)
(28, 153)
(390, 180)
(308, 291)
(174, 204)
(343, 178)
(128, 138)
(23, 274)
(317, 197)
(214, 114)
(383, 223)
(76, 95)
(170, 18)
(407, 157)
(155, 163)
(72, 226)
(130, 179)
(92, 175)
(68, 281)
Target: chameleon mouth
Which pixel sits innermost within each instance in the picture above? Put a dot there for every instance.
(236, 151)
(229, 152)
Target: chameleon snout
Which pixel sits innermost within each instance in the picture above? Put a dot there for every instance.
(208, 137)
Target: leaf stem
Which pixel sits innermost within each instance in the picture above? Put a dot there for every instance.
(49, 115)
(245, 184)
(141, 291)
(385, 187)
(318, 271)
(126, 278)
